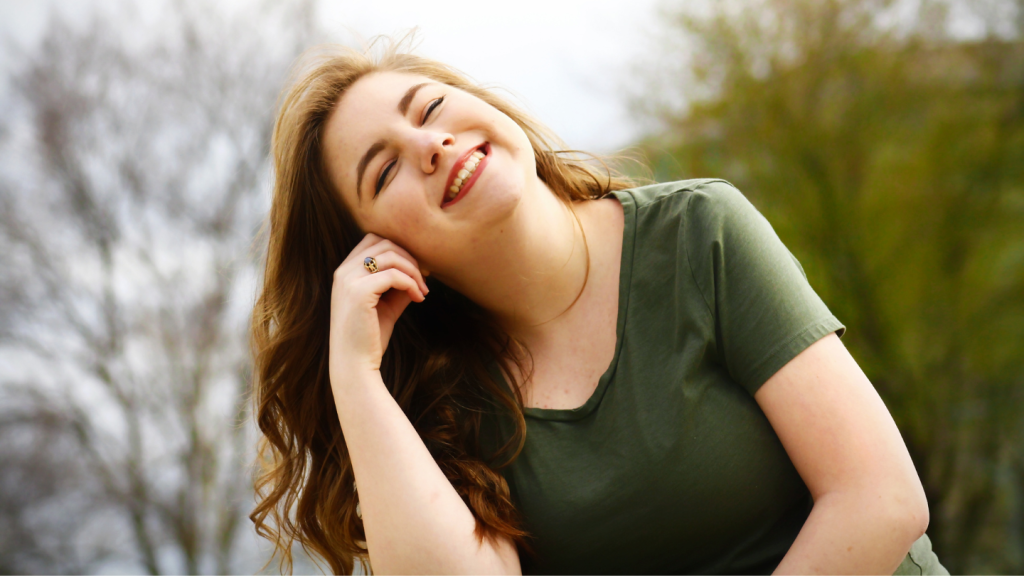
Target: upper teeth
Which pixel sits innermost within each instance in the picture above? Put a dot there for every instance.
(467, 170)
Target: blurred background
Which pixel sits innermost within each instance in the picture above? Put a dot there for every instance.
(884, 139)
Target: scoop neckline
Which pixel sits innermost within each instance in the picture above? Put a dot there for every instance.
(628, 203)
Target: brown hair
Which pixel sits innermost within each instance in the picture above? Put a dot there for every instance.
(437, 369)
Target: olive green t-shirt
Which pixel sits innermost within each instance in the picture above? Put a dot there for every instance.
(671, 466)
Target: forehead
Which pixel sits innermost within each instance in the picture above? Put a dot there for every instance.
(359, 119)
(376, 93)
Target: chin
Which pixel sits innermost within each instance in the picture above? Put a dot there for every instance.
(502, 201)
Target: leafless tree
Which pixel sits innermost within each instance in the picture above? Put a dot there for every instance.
(132, 183)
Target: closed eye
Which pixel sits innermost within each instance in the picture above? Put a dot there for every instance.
(383, 177)
(430, 108)
(387, 169)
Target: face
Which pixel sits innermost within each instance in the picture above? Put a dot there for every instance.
(399, 146)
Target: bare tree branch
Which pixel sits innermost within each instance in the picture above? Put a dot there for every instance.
(125, 238)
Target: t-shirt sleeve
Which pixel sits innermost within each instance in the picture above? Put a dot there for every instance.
(765, 312)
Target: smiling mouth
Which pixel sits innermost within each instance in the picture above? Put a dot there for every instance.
(462, 179)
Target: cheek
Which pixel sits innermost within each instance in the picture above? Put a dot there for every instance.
(404, 223)
(519, 146)
(399, 228)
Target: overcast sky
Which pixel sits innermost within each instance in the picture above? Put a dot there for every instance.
(568, 60)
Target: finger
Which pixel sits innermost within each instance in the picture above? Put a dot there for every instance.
(392, 304)
(349, 263)
(367, 241)
(397, 299)
(386, 245)
(371, 245)
(392, 279)
(392, 259)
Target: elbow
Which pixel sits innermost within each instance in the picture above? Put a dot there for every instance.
(908, 513)
(918, 516)
(897, 509)
(915, 509)
(906, 505)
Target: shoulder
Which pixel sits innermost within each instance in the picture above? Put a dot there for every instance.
(700, 209)
(713, 191)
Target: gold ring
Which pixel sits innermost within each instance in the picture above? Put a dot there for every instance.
(370, 264)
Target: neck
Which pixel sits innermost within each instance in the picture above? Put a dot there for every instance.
(528, 270)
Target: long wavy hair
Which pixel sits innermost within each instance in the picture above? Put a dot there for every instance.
(436, 367)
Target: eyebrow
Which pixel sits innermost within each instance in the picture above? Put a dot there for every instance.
(403, 104)
(378, 146)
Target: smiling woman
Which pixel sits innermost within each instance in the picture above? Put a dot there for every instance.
(602, 378)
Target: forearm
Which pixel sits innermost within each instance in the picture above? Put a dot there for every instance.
(414, 519)
(853, 533)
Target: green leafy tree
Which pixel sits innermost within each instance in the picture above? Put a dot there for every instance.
(889, 155)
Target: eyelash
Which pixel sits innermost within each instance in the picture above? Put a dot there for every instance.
(383, 177)
(430, 108)
(387, 170)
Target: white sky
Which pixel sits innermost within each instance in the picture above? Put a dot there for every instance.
(568, 60)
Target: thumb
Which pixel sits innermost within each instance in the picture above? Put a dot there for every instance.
(390, 306)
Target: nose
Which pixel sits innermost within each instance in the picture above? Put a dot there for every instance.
(431, 146)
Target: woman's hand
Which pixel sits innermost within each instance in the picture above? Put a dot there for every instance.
(414, 520)
(365, 306)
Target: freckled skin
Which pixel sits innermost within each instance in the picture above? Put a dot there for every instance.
(408, 208)
(509, 244)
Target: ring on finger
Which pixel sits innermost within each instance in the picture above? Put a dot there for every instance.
(370, 264)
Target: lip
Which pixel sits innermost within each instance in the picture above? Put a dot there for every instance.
(459, 163)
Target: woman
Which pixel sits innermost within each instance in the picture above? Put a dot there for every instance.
(475, 354)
